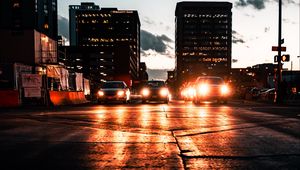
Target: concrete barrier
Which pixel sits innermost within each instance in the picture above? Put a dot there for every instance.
(9, 98)
(66, 98)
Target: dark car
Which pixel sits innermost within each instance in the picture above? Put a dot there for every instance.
(155, 91)
(114, 91)
(211, 88)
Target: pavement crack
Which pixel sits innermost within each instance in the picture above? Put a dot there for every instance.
(239, 157)
(181, 151)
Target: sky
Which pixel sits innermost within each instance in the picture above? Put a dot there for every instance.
(254, 25)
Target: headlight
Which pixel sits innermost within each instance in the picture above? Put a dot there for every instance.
(164, 92)
(224, 90)
(203, 89)
(191, 92)
(145, 92)
(120, 93)
(100, 93)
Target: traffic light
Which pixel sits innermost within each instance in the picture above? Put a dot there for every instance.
(285, 58)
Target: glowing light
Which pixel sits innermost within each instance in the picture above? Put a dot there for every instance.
(120, 93)
(224, 90)
(100, 93)
(164, 92)
(203, 89)
(145, 92)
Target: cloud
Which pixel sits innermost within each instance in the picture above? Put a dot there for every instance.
(257, 4)
(158, 74)
(287, 21)
(154, 42)
(267, 29)
(260, 4)
(147, 20)
(235, 60)
(237, 38)
(63, 26)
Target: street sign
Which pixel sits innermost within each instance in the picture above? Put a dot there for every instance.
(275, 48)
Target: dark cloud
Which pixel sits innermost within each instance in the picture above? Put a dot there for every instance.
(63, 26)
(267, 29)
(257, 4)
(156, 43)
(260, 4)
(235, 60)
(236, 37)
(157, 74)
(148, 21)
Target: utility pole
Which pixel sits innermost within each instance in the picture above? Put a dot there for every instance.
(279, 67)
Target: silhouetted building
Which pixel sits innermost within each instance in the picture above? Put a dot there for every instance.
(73, 9)
(114, 34)
(203, 39)
(28, 31)
(143, 72)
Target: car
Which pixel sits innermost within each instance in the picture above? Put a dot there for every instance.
(187, 91)
(155, 90)
(113, 91)
(211, 88)
(268, 95)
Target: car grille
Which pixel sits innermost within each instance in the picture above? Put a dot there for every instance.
(110, 93)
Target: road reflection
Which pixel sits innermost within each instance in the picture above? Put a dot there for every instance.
(133, 129)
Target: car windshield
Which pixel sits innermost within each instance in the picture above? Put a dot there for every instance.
(155, 84)
(113, 85)
(212, 80)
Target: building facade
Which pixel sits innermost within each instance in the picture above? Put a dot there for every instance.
(203, 39)
(28, 31)
(114, 35)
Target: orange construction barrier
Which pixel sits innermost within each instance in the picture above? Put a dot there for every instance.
(66, 98)
(9, 98)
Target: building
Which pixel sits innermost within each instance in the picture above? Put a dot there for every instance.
(73, 9)
(28, 31)
(203, 39)
(114, 36)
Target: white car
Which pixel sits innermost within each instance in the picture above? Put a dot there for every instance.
(113, 91)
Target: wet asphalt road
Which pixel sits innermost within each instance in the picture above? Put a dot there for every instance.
(155, 136)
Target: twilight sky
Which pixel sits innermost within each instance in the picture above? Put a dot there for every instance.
(254, 24)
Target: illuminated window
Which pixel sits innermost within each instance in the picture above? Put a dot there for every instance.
(46, 26)
(16, 5)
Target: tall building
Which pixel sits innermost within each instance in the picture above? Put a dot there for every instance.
(73, 9)
(115, 37)
(203, 39)
(28, 31)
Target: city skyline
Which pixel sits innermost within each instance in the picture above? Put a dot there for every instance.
(251, 45)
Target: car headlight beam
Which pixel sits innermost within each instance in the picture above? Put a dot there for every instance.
(224, 90)
(120, 93)
(164, 92)
(203, 89)
(145, 92)
(100, 93)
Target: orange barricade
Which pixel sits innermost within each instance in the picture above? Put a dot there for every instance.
(9, 98)
(65, 98)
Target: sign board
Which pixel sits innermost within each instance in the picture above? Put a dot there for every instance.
(32, 92)
(31, 80)
(275, 48)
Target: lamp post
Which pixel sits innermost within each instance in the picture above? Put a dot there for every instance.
(279, 67)
(299, 61)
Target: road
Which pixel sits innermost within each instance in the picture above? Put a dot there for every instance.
(179, 135)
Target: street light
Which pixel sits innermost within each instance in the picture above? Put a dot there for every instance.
(299, 61)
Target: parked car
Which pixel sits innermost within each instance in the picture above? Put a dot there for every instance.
(211, 88)
(155, 91)
(268, 95)
(114, 91)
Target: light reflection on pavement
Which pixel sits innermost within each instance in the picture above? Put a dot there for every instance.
(175, 136)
